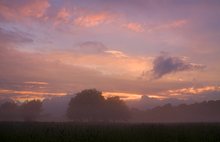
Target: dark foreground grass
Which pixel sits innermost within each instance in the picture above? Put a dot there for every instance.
(72, 132)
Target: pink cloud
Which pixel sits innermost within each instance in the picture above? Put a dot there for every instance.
(170, 25)
(177, 23)
(62, 16)
(92, 20)
(35, 9)
(136, 27)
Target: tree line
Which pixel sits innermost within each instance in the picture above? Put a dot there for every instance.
(91, 106)
(207, 111)
(87, 105)
(27, 111)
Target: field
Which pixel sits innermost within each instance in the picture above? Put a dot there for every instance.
(108, 132)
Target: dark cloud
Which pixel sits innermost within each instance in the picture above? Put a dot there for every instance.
(164, 64)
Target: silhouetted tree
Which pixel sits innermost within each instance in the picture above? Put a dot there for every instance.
(9, 111)
(116, 109)
(86, 106)
(30, 110)
(90, 105)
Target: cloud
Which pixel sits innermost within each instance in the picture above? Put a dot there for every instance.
(20, 9)
(36, 83)
(173, 24)
(109, 62)
(201, 93)
(13, 36)
(123, 96)
(193, 90)
(63, 16)
(23, 95)
(29, 92)
(35, 9)
(164, 64)
(177, 23)
(92, 20)
(116, 53)
(95, 55)
(18, 68)
(23, 74)
(90, 47)
(135, 27)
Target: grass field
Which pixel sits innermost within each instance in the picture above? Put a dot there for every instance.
(72, 132)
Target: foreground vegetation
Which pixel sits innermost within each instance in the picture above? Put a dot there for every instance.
(108, 132)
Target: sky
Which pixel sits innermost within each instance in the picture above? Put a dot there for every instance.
(128, 48)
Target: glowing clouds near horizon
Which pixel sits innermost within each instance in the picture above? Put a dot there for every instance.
(123, 96)
(23, 95)
(36, 83)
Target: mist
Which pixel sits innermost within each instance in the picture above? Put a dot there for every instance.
(91, 106)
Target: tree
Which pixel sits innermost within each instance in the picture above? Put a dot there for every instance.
(90, 105)
(86, 106)
(9, 111)
(30, 110)
(116, 109)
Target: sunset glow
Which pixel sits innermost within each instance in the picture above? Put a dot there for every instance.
(123, 96)
(130, 49)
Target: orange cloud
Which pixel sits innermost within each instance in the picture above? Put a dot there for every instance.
(29, 95)
(4, 91)
(28, 98)
(193, 90)
(123, 96)
(36, 83)
(116, 53)
(92, 20)
(183, 93)
(134, 27)
(157, 97)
